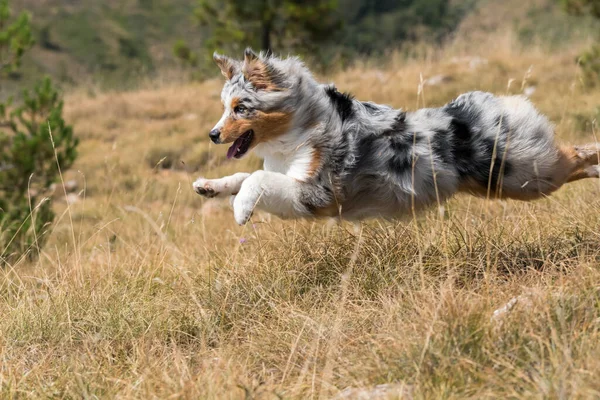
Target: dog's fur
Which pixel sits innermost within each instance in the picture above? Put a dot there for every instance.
(327, 154)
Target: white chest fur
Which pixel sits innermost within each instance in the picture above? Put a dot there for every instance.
(296, 164)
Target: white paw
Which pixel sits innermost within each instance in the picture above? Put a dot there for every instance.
(242, 209)
(204, 188)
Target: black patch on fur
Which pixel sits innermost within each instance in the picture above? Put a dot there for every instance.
(462, 146)
(441, 147)
(399, 159)
(461, 130)
(364, 149)
(343, 102)
(499, 167)
(472, 152)
(399, 143)
(398, 126)
(400, 162)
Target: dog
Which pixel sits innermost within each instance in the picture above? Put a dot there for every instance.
(327, 154)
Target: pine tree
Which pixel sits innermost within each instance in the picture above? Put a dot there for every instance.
(29, 155)
(267, 24)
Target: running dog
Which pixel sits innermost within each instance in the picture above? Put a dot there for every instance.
(327, 154)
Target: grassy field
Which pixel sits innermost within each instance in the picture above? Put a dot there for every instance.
(145, 290)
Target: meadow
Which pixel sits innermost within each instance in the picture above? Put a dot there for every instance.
(146, 290)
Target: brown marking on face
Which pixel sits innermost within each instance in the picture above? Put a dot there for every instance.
(260, 75)
(266, 126)
(235, 102)
(234, 128)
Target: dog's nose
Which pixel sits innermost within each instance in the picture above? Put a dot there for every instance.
(214, 135)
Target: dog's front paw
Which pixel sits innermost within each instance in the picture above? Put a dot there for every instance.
(203, 188)
(242, 209)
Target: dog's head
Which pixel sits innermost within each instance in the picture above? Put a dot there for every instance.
(256, 102)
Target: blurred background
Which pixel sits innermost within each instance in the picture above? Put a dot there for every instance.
(115, 43)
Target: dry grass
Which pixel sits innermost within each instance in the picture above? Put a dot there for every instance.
(145, 290)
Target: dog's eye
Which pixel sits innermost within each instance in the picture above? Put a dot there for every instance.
(240, 109)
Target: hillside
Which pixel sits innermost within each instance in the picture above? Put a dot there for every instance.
(146, 290)
(118, 44)
(110, 42)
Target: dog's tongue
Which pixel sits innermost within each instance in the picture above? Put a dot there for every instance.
(235, 147)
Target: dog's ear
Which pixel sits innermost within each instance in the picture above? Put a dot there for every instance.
(250, 56)
(229, 67)
(260, 72)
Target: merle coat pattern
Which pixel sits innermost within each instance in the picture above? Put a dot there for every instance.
(328, 154)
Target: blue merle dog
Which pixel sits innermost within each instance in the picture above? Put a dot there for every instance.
(327, 154)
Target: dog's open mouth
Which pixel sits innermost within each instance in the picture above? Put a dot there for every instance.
(241, 145)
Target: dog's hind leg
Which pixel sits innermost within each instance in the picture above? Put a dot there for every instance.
(579, 162)
(593, 171)
(588, 154)
(221, 187)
